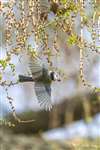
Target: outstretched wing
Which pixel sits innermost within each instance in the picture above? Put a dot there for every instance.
(36, 67)
(43, 93)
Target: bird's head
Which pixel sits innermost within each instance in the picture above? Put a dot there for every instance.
(55, 76)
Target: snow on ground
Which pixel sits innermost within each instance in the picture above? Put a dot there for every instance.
(79, 129)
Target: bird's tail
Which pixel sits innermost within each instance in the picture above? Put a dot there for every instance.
(24, 78)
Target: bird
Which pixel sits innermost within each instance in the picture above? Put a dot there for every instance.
(42, 78)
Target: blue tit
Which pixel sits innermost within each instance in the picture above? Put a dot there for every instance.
(42, 78)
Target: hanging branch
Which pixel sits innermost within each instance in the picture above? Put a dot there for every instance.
(85, 83)
(10, 100)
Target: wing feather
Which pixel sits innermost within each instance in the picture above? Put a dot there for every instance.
(36, 67)
(43, 93)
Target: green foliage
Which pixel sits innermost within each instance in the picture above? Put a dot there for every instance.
(32, 51)
(67, 9)
(72, 40)
(3, 63)
(63, 1)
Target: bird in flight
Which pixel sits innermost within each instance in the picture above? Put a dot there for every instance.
(42, 78)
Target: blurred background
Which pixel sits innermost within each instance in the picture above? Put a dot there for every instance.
(74, 121)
